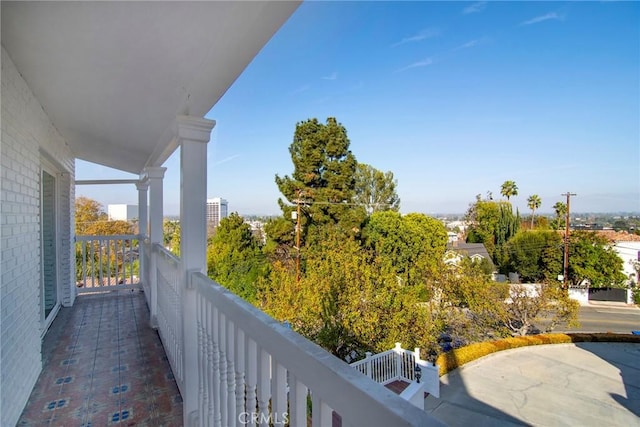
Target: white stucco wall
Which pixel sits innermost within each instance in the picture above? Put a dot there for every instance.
(27, 136)
(628, 252)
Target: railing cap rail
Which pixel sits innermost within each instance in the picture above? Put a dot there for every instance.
(157, 247)
(373, 357)
(90, 237)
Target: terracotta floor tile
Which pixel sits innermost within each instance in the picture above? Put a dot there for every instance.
(103, 365)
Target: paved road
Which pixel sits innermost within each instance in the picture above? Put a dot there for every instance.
(583, 384)
(606, 318)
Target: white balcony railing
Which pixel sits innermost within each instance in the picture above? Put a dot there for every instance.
(107, 262)
(253, 370)
(169, 314)
(145, 268)
(383, 368)
(399, 364)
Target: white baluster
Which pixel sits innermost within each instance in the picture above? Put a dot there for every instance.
(208, 372)
(215, 366)
(222, 344)
(278, 392)
(264, 389)
(83, 248)
(322, 413)
(93, 263)
(203, 401)
(240, 370)
(100, 276)
(298, 403)
(252, 377)
(108, 266)
(231, 379)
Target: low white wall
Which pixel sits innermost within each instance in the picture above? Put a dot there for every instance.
(414, 394)
(430, 378)
(579, 294)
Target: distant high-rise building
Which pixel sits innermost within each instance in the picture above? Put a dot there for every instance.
(217, 209)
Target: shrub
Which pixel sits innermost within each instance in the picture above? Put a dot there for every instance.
(455, 358)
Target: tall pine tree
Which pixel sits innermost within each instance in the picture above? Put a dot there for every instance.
(322, 182)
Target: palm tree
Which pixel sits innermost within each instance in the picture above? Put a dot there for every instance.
(508, 189)
(561, 211)
(534, 203)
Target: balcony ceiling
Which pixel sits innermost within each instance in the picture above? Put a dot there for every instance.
(113, 76)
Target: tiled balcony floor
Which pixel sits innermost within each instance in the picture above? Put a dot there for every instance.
(104, 365)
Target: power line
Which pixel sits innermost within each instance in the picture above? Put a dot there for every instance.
(305, 203)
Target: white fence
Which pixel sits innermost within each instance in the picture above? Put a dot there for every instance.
(106, 262)
(399, 364)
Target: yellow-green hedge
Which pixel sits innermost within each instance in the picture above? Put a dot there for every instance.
(452, 359)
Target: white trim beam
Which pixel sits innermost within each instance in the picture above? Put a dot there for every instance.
(106, 181)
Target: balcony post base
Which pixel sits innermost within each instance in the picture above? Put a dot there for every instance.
(193, 419)
(153, 322)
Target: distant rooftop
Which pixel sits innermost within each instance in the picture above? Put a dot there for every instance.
(619, 236)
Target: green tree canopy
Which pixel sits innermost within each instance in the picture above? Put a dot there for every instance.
(535, 255)
(171, 235)
(375, 190)
(465, 303)
(323, 175)
(492, 223)
(344, 302)
(234, 257)
(538, 257)
(280, 234)
(407, 247)
(592, 258)
(91, 220)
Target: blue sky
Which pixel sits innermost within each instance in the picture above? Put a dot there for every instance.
(453, 97)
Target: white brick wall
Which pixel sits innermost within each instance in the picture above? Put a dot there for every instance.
(27, 134)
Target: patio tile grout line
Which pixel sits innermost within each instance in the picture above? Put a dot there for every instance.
(119, 357)
(67, 367)
(93, 368)
(146, 366)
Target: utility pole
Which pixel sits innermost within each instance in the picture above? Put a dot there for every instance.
(566, 241)
(298, 201)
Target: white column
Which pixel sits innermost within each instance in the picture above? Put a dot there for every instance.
(143, 232)
(155, 174)
(143, 203)
(193, 135)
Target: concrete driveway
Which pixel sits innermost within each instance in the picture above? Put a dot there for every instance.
(582, 384)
